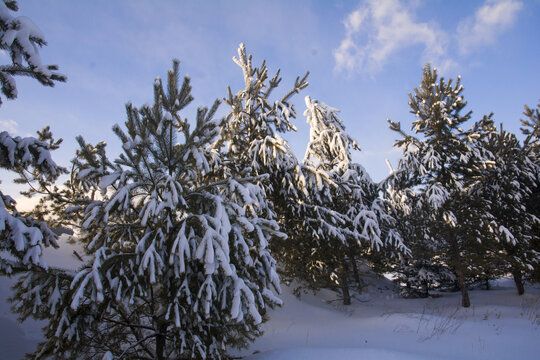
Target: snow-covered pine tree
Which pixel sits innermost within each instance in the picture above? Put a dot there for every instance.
(179, 262)
(441, 167)
(361, 221)
(21, 39)
(22, 237)
(507, 185)
(251, 131)
(531, 128)
(421, 270)
(250, 137)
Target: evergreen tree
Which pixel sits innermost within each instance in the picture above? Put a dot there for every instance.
(300, 194)
(365, 225)
(531, 128)
(179, 265)
(441, 167)
(506, 185)
(421, 270)
(250, 138)
(249, 135)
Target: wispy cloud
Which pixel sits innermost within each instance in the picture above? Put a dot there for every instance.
(9, 125)
(378, 29)
(490, 21)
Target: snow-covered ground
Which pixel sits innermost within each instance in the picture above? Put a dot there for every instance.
(379, 325)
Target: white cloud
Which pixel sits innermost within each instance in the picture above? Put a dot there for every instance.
(379, 29)
(491, 20)
(9, 125)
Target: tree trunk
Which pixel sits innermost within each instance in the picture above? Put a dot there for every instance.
(465, 301)
(345, 290)
(356, 273)
(519, 281)
(488, 287)
(456, 286)
(344, 282)
(160, 341)
(426, 289)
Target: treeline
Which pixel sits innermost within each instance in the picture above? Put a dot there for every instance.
(460, 209)
(467, 199)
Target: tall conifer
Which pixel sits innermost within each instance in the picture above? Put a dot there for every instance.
(442, 165)
(178, 261)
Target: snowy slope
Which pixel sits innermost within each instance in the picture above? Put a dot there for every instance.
(379, 325)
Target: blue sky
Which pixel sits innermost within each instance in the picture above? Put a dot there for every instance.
(364, 58)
